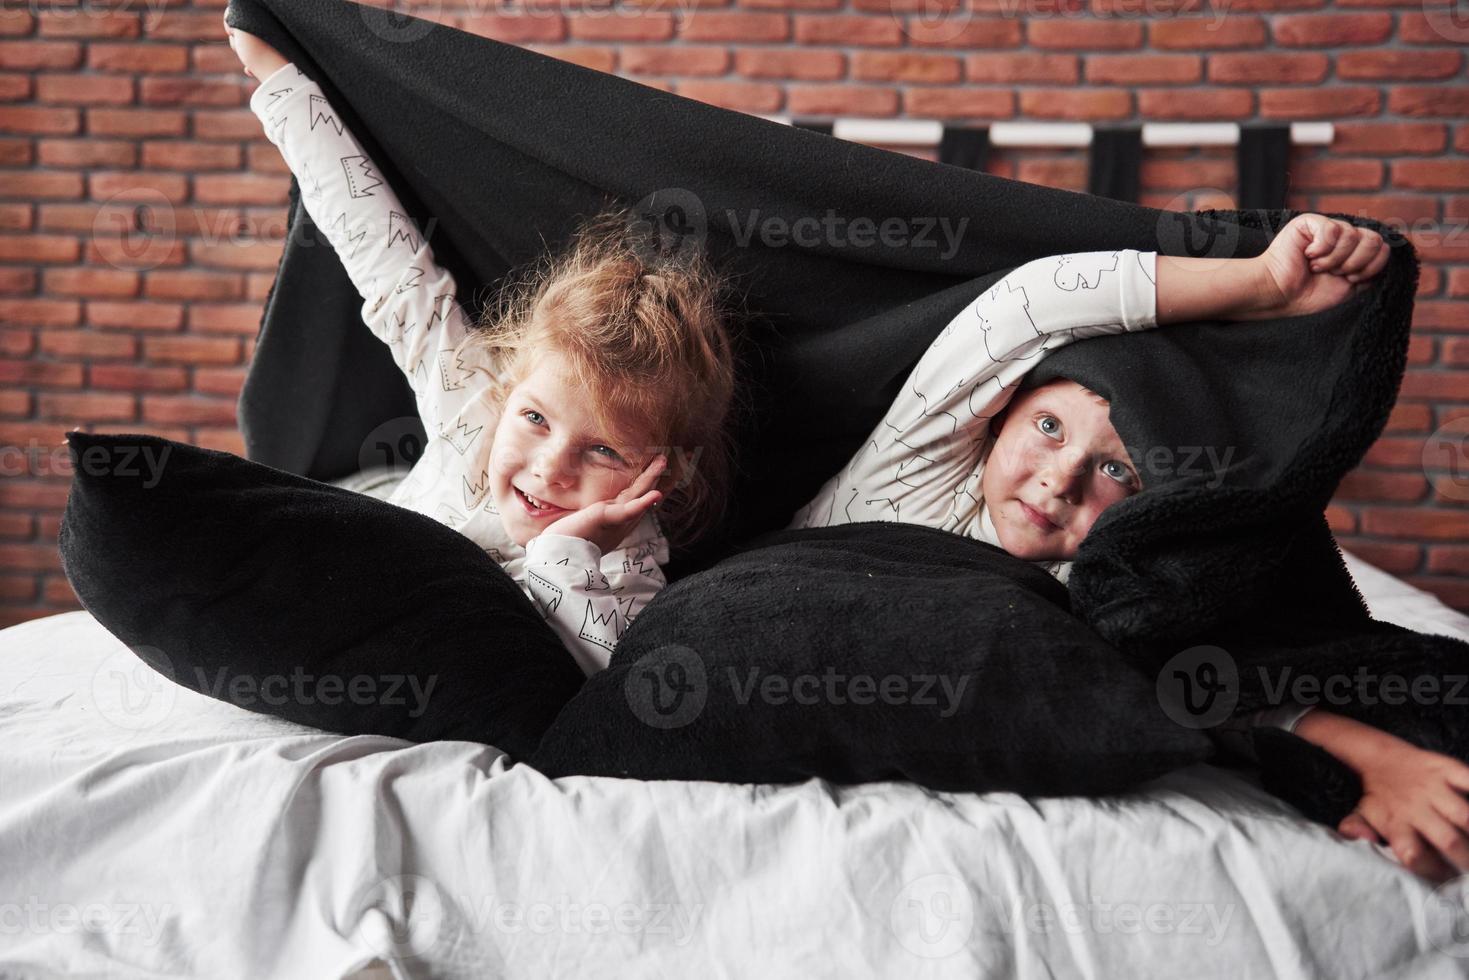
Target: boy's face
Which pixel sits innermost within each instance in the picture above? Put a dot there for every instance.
(1056, 456)
(547, 444)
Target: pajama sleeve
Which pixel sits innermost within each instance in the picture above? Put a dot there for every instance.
(409, 301)
(589, 598)
(918, 465)
(1234, 734)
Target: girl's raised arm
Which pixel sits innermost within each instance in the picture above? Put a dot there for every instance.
(409, 300)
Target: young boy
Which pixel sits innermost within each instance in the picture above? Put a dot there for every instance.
(963, 449)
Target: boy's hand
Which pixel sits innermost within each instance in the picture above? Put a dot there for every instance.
(1315, 263)
(1415, 799)
(606, 522)
(260, 59)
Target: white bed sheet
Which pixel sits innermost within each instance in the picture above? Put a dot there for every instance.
(147, 831)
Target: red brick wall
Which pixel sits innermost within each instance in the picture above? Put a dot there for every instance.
(109, 105)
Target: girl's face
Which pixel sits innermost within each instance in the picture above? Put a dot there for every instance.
(1055, 465)
(548, 445)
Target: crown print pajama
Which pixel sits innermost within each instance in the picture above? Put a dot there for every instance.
(409, 303)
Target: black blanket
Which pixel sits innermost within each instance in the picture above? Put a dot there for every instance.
(498, 151)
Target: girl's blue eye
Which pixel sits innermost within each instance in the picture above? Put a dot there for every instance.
(539, 418)
(1041, 423)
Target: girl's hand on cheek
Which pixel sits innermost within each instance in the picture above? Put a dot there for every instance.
(606, 522)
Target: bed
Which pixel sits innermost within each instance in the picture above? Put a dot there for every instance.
(149, 831)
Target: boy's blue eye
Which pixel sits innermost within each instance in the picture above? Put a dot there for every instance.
(1122, 475)
(529, 412)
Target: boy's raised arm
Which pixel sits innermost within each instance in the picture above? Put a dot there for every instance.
(409, 301)
(930, 440)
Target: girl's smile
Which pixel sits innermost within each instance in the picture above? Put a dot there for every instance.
(549, 458)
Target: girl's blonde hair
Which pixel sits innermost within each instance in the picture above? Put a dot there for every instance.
(647, 333)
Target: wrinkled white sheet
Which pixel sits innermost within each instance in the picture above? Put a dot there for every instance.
(146, 831)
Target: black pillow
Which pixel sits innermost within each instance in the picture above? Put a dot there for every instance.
(980, 679)
(295, 598)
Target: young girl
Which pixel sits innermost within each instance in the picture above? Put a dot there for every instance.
(964, 449)
(550, 425)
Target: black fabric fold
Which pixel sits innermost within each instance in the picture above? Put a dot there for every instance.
(1262, 159)
(1114, 166)
(505, 149)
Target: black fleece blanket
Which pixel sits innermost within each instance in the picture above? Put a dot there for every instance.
(498, 151)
